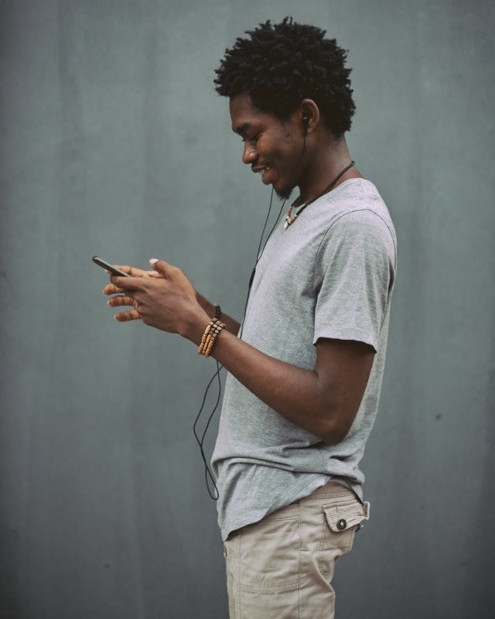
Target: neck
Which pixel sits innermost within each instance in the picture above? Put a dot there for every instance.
(326, 163)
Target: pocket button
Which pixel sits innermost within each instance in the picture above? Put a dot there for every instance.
(341, 524)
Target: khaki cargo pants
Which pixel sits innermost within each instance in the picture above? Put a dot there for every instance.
(282, 566)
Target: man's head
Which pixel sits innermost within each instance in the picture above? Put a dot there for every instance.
(280, 65)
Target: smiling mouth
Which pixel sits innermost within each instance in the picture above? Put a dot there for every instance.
(261, 169)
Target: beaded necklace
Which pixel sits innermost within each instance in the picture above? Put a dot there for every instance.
(290, 218)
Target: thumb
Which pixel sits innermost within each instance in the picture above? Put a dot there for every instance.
(160, 266)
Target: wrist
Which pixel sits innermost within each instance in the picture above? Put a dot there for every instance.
(206, 305)
(213, 329)
(212, 309)
(193, 327)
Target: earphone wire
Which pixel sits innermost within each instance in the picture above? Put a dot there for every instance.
(211, 485)
(261, 248)
(209, 477)
(267, 218)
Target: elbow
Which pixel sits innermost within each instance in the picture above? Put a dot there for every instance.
(333, 436)
(336, 425)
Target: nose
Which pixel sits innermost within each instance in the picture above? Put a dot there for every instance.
(249, 154)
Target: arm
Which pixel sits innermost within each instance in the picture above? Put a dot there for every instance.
(121, 299)
(232, 325)
(323, 400)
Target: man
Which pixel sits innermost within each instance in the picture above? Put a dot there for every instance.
(306, 366)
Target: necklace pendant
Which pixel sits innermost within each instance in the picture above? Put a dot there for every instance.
(289, 218)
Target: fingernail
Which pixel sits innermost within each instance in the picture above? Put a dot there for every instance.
(153, 260)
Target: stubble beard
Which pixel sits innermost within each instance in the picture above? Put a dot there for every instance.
(284, 193)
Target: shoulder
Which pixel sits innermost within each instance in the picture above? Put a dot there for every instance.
(357, 232)
(360, 201)
(355, 202)
(356, 211)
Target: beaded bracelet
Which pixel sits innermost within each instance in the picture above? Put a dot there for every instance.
(209, 336)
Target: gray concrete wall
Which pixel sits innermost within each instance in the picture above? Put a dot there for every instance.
(113, 142)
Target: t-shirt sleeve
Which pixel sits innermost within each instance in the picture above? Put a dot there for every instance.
(354, 270)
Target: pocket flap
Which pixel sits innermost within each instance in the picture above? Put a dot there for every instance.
(343, 517)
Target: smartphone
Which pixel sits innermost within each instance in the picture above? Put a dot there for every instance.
(109, 267)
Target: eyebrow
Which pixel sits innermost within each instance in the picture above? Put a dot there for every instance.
(242, 129)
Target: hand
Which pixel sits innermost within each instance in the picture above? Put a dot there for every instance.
(164, 298)
(121, 299)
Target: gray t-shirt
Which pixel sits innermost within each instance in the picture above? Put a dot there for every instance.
(328, 275)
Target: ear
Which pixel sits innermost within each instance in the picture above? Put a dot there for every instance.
(310, 115)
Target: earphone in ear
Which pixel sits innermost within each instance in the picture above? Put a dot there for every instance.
(305, 122)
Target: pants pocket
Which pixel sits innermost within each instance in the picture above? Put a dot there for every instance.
(341, 521)
(269, 556)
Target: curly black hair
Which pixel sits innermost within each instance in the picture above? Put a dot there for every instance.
(280, 65)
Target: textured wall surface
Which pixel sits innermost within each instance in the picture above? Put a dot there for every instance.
(113, 142)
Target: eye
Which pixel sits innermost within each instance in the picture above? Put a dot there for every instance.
(252, 139)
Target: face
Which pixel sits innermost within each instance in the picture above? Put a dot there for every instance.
(272, 148)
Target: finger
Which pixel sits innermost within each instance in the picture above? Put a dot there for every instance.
(126, 283)
(127, 316)
(111, 289)
(133, 271)
(161, 266)
(120, 300)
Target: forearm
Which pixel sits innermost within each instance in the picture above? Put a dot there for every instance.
(231, 325)
(323, 400)
(295, 393)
